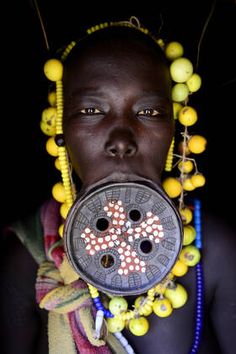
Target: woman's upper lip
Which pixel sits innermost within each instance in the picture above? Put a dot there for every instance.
(120, 177)
(116, 177)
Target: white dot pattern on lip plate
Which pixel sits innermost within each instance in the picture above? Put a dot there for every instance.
(120, 234)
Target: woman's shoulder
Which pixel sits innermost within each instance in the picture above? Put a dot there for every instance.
(218, 234)
(218, 250)
(24, 236)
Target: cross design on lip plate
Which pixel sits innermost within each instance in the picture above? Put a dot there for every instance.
(120, 235)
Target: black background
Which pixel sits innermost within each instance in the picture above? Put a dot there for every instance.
(27, 172)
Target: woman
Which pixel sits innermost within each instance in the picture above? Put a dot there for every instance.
(117, 128)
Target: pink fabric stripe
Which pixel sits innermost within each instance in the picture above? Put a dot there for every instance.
(84, 346)
(51, 220)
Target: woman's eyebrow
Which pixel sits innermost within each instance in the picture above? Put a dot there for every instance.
(87, 92)
(155, 95)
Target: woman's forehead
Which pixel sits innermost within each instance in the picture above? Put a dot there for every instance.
(118, 62)
(117, 39)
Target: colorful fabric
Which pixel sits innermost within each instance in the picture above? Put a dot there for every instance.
(60, 291)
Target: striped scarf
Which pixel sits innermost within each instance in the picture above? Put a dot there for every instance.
(60, 291)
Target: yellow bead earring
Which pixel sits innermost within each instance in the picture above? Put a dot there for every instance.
(63, 192)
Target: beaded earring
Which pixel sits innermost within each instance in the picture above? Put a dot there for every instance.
(166, 295)
(51, 124)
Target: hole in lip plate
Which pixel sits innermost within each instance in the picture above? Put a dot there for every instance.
(134, 215)
(107, 261)
(146, 246)
(102, 224)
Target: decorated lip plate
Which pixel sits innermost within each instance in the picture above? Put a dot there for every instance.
(123, 238)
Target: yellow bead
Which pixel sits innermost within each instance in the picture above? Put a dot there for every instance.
(48, 121)
(172, 187)
(139, 326)
(64, 209)
(126, 316)
(115, 324)
(177, 295)
(179, 269)
(58, 192)
(60, 230)
(179, 92)
(194, 82)
(197, 144)
(145, 309)
(57, 164)
(53, 69)
(189, 234)
(186, 166)
(160, 288)
(176, 109)
(93, 291)
(188, 116)
(117, 305)
(52, 98)
(52, 147)
(188, 185)
(186, 215)
(174, 50)
(170, 276)
(198, 180)
(161, 43)
(162, 307)
(139, 301)
(190, 255)
(181, 69)
(47, 129)
(151, 292)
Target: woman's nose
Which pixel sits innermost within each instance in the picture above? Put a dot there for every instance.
(121, 143)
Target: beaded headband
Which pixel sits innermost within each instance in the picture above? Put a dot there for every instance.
(160, 298)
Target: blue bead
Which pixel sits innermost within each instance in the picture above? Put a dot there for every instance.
(108, 313)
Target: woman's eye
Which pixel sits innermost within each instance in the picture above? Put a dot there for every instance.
(90, 111)
(149, 112)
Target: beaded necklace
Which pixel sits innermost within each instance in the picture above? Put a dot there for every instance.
(161, 298)
(199, 281)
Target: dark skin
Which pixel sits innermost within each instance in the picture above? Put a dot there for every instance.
(118, 126)
(127, 108)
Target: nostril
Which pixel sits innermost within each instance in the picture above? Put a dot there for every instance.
(121, 150)
(112, 151)
(130, 151)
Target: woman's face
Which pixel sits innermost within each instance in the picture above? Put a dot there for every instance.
(118, 121)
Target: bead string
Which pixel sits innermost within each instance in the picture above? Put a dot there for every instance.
(123, 341)
(199, 282)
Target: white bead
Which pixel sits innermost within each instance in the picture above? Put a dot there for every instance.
(124, 343)
(98, 323)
